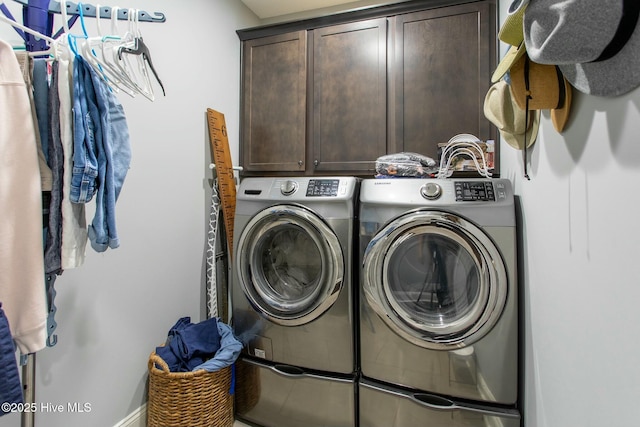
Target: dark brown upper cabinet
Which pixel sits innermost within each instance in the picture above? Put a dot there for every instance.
(440, 73)
(349, 112)
(330, 95)
(274, 103)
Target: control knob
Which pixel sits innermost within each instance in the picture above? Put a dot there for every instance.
(288, 187)
(431, 191)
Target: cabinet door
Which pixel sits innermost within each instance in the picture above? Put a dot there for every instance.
(442, 64)
(274, 103)
(349, 96)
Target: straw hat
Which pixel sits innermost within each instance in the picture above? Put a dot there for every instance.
(560, 115)
(512, 33)
(514, 125)
(596, 43)
(512, 29)
(544, 86)
(510, 58)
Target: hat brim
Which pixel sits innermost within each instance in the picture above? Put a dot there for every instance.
(510, 58)
(612, 77)
(518, 141)
(512, 31)
(560, 116)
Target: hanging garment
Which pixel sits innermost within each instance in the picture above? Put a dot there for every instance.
(26, 65)
(21, 242)
(53, 243)
(40, 82)
(74, 223)
(102, 152)
(10, 386)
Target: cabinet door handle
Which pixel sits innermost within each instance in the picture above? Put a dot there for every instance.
(300, 162)
(316, 162)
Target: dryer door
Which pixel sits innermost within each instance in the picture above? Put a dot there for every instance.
(435, 278)
(290, 264)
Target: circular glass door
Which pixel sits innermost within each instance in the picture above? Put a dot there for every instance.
(435, 278)
(290, 264)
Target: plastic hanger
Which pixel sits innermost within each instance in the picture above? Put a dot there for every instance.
(142, 50)
(134, 67)
(93, 51)
(26, 29)
(114, 67)
(109, 43)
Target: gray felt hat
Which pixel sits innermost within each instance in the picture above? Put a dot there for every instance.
(596, 43)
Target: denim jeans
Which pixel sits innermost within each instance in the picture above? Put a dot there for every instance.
(107, 134)
(85, 159)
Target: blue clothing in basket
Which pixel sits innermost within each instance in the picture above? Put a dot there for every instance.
(189, 345)
(230, 348)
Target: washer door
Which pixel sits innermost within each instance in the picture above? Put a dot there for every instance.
(290, 264)
(435, 278)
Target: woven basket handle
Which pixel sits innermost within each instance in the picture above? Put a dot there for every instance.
(155, 360)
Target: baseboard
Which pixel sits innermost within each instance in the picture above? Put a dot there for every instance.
(137, 418)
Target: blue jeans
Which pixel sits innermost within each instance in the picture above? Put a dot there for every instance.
(107, 133)
(85, 159)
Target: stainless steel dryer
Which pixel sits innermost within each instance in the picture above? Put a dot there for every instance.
(292, 294)
(439, 298)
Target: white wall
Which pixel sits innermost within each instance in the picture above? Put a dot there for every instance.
(581, 239)
(115, 309)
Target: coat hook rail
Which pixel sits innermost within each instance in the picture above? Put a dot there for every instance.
(105, 11)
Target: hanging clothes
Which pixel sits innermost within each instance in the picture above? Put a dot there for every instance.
(55, 158)
(74, 223)
(26, 66)
(21, 256)
(10, 386)
(102, 152)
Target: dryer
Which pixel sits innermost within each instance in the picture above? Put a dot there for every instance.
(292, 290)
(439, 294)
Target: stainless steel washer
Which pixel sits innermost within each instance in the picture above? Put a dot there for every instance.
(439, 296)
(292, 291)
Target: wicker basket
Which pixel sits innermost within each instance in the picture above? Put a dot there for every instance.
(188, 399)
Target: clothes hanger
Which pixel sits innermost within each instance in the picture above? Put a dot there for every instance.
(142, 49)
(109, 47)
(134, 66)
(92, 50)
(26, 29)
(42, 53)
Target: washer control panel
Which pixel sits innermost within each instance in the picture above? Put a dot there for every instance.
(323, 187)
(474, 191)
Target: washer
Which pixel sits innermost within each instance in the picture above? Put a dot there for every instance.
(439, 296)
(292, 290)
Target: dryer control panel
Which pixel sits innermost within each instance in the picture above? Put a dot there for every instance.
(474, 191)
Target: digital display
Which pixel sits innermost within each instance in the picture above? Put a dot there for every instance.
(323, 187)
(473, 191)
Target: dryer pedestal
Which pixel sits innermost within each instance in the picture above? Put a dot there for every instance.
(382, 405)
(284, 396)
